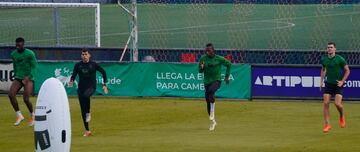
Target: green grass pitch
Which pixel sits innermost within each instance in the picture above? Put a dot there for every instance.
(181, 125)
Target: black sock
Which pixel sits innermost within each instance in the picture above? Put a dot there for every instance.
(208, 107)
(84, 105)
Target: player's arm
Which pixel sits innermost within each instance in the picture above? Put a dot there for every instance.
(345, 76)
(226, 63)
(344, 64)
(201, 65)
(14, 64)
(322, 73)
(33, 65)
(74, 74)
(103, 73)
(322, 76)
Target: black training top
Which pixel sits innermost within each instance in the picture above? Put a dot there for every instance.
(87, 74)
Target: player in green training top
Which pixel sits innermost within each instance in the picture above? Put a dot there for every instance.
(210, 64)
(24, 63)
(333, 66)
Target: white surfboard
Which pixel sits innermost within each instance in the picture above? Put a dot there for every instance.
(52, 127)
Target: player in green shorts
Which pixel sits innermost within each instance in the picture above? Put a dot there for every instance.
(333, 66)
(24, 63)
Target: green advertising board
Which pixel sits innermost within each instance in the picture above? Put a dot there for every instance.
(151, 79)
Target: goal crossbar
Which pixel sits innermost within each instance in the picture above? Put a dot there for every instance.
(24, 4)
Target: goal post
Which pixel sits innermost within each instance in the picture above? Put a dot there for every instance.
(74, 16)
(133, 36)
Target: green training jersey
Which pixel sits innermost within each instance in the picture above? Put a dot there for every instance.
(212, 68)
(24, 64)
(334, 68)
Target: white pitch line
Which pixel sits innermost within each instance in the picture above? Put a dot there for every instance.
(20, 19)
(288, 25)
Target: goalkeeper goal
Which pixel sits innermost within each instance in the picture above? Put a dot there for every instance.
(50, 24)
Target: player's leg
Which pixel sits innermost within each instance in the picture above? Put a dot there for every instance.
(212, 105)
(210, 101)
(327, 126)
(212, 90)
(329, 90)
(84, 98)
(14, 88)
(16, 85)
(28, 89)
(82, 101)
(340, 108)
(87, 94)
(213, 87)
(207, 100)
(327, 98)
(208, 105)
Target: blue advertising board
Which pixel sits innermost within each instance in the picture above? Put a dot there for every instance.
(297, 82)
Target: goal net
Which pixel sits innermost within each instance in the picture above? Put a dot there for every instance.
(270, 25)
(50, 24)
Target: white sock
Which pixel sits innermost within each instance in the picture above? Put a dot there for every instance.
(18, 113)
(212, 107)
(212, 111)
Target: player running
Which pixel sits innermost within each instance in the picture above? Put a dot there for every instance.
(332, 67)
(24, 64)
(87, 85)
(210, 64)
